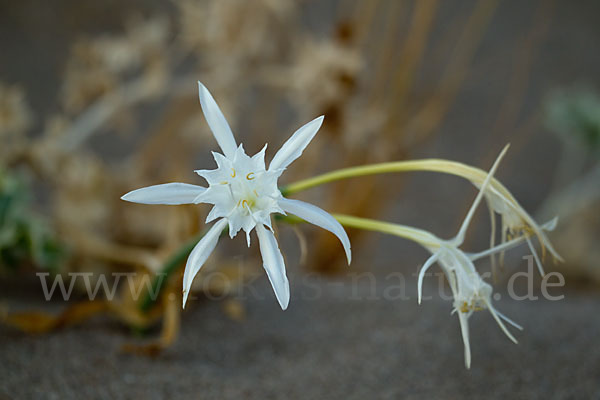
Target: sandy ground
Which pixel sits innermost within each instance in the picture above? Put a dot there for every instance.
(342, 345)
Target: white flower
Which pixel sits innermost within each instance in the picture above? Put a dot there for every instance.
(516, 222)
(471, 293)
(244, 194)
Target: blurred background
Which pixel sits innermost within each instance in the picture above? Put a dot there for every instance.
(100, 98)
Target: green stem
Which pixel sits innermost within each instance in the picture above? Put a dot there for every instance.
(420, 236)
(473, 174)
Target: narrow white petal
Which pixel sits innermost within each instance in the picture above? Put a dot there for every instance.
(550, 225)
(274, 265)
(426, 266)
(500, 323)
(510, 321)
(295, 145)
(200, 254)
(167, 193)
(545, 242)
(535, 256)
(463, 229)
(506, 245)
(492, 239)
(464, 328)
(258, 160)
(214, 213)
(217, 122)
(503, 236)
(319, 217)
(501, 248)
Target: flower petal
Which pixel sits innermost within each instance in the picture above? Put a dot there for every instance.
(464, 329)
(535, 256)
(220, 174)
(217, 122)
(296, 144)
(460, 236)
(200, 254)
(319, 217)
(167, 193)
(274, 265)
(426, 266)
(258, 160)
(500, 323)
(510, 321)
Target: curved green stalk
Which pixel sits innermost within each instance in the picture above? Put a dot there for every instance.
(420, 236)
(468, 172)
(474, 175)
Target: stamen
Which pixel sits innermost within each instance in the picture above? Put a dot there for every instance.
(233, 172)
(250, 177)
(465, 307)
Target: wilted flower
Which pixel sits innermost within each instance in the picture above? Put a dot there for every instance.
(244, 194)
(516, 222)
(471, 293)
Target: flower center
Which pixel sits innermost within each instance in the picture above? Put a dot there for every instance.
(247, 203)
(243, 187)
(473, 306)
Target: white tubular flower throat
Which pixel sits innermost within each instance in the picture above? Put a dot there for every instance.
(241, 190)
(244, 194)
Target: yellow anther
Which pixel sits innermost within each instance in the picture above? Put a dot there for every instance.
(248, 204)
(527, 229)
(233, 172)
(250, 176)
(464, 308)
(224, 183)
